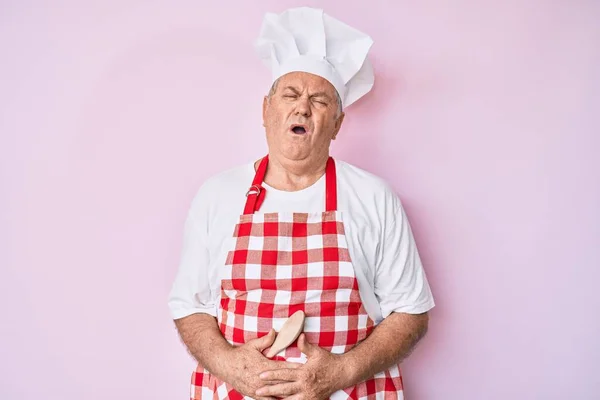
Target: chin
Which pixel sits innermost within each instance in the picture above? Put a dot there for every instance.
(296, 154)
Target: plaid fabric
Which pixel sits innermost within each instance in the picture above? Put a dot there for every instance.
(283, 263)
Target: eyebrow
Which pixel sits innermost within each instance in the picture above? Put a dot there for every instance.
(317, 94)
(321, 94)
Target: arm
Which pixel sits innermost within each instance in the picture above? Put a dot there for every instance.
(203, 339)
(390, 342)
(404, 297)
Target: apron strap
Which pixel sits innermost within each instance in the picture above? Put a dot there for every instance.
(330, 186)
(256, 193)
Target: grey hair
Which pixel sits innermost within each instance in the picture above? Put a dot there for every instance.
(337, 95)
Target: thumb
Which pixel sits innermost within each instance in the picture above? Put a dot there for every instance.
(306, 347)
(265, 341)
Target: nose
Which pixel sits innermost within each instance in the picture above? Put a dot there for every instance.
(303, 106)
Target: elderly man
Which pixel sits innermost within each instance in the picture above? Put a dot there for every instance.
(315, 235)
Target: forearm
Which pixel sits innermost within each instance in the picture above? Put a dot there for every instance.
(389, 343)
(205, 342)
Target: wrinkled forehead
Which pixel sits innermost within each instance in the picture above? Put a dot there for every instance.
(305, 81)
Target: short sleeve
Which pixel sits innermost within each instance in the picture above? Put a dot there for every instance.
(400, 281)
(191, 290)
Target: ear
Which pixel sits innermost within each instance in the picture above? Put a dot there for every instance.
(338, 125)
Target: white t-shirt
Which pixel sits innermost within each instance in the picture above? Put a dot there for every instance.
(381, 244)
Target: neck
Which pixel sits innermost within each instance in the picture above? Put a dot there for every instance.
(292, 175)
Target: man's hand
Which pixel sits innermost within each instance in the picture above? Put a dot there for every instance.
(322, 375)
(247, 362)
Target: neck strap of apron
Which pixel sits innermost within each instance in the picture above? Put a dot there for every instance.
(256, 193)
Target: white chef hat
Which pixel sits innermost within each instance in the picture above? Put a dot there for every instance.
(306, 39)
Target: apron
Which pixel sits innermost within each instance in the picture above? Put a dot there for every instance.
(280, 263)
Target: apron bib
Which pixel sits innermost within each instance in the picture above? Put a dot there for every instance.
(280, 263)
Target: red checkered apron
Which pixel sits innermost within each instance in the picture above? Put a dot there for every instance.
(284, 262)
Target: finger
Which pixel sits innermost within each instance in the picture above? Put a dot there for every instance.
(280, 390)
(275, 365)
(306, 347)
(270, 383)
(280, 365)
(288, 375)
(265, 341)
(296, 396)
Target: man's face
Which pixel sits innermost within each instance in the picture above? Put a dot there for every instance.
(301, 117)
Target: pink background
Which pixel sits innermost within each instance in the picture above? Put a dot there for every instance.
(484, 117)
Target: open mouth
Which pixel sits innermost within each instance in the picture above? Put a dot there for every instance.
(299, 129)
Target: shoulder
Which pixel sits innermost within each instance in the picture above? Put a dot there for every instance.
(230, 179)
(217, 189)
(367, 186)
